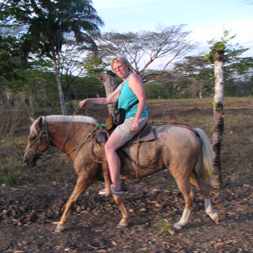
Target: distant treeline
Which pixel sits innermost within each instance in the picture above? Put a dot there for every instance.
(38, 89)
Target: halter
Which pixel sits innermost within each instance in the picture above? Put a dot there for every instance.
(43, 132)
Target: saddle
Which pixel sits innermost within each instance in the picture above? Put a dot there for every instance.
(147, 133)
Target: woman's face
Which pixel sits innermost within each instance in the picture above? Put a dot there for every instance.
(120, 69)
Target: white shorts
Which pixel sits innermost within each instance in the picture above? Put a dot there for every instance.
(124, 130)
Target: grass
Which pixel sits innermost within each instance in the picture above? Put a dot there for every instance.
(11, 160)
(204, 102)
(163, 226)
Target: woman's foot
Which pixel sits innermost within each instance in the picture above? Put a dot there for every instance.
(114, 190)
(117, 190)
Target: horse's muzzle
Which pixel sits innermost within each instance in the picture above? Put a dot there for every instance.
(30, 159)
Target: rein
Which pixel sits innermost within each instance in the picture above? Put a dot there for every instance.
(42, 133)
(77, 111)
(78, 147)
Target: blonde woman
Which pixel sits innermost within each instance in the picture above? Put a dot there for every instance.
(130, 97)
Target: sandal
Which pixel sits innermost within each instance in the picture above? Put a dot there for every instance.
(117, 192)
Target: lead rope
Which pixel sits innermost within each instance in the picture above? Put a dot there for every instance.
(77, 111)
(91, 134)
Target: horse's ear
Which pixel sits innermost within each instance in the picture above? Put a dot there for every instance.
(38, 124)
(32, 119)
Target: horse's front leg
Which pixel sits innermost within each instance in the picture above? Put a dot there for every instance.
(124, 213)
(82, 183)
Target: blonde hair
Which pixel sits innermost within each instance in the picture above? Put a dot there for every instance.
(123, 60)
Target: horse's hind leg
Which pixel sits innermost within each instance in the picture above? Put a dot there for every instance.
(204, 190)
(185, 188)
(213, 214)
(81, 185)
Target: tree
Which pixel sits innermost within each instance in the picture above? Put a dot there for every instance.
(194, 75)
(144, 48)
(94, 65)
(49, 25)
(10, 61)
(220, 52)
(217, 57)
(198, 73)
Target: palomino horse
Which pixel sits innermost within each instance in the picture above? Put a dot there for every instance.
(177, 148)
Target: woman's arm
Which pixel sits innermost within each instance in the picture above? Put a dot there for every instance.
(103, 100)
(136, 85)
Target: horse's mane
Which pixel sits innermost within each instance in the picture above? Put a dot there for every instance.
(63, 118)
(71, 118)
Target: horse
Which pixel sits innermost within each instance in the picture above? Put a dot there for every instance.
(186, 152)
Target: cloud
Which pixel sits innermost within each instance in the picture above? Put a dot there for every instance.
(241, 28)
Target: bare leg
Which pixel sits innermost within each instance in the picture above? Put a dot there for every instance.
(81, 185)
(113, 159)
(124, 213)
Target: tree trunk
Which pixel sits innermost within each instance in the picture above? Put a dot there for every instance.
(59, 84)
(218, 114)
(109, 85)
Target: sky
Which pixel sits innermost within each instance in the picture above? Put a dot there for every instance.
(206, 19)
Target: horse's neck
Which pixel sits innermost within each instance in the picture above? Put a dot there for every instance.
(65, 136)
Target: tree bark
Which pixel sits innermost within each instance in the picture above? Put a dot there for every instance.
(59, 85)
(109, 85)
(218, 114)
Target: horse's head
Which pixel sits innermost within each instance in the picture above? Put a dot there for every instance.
(38, 141)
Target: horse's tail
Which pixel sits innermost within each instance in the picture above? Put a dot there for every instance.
(206, 171)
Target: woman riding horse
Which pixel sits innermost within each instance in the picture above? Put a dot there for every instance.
(130, 97)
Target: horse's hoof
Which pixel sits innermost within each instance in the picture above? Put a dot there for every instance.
(177, 226)
(59, 228)
(122, 224)
(215, 217)
(104, 193)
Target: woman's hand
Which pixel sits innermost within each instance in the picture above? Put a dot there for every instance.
(83, 103)
(135, 125)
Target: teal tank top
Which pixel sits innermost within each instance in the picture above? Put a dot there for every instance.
(128, 98)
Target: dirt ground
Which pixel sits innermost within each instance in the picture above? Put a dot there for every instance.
(29, 208)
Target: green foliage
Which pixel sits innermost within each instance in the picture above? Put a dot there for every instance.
(164, 227)
(217, 50)
(87, 87)
(225, 48)
(11, 67)
(159, 90)
(194, 77)
(51, 24)
(94, 65)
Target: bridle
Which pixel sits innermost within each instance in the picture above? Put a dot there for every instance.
(43, 133)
